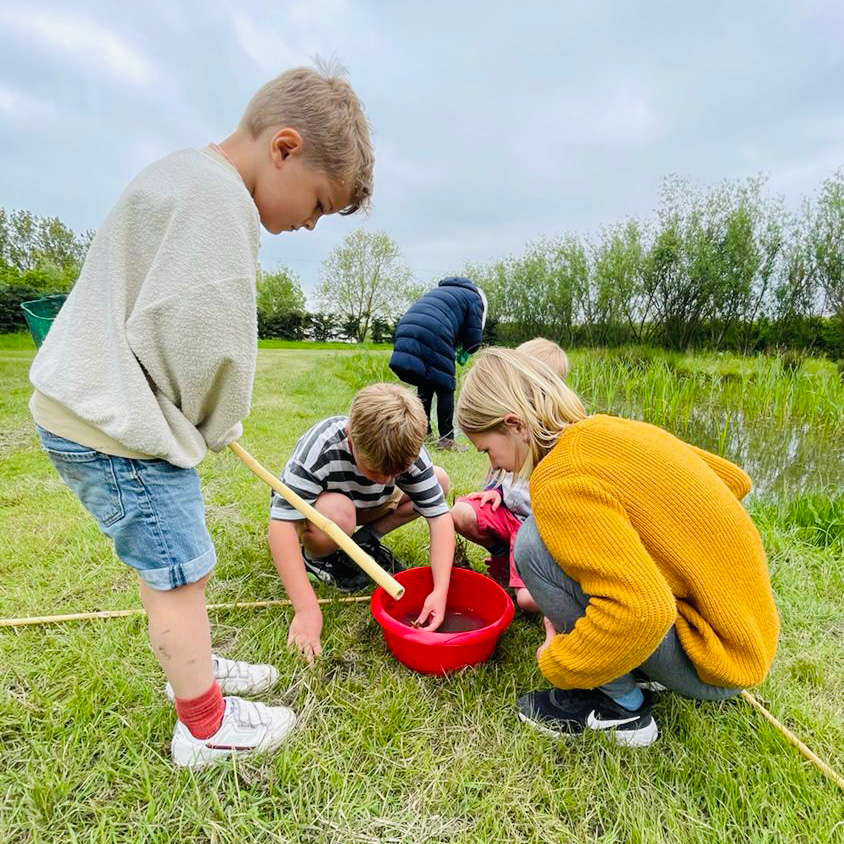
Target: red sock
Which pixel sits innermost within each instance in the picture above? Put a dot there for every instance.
(202, 715)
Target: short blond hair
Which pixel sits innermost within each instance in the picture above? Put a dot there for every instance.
(507, 381)
(323, 108)
(387, 426)
(548, 352)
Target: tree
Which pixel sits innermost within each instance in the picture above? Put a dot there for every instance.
(281, 305)
(620, 294)
(39, 256)
(492, 279)
(826, 241)
(323, 327)
(364, 278)
(29, 242)
(382, 331)
(280, 293)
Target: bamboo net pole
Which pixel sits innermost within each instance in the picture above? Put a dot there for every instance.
(235, 605)
(382, 578)
(793, 740)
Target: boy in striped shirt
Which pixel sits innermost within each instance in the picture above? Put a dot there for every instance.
(369, 473)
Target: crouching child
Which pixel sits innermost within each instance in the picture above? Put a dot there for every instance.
(369, 473)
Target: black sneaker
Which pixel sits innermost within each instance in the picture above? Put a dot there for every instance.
(336, 570)
(380, 553)
(559, 712)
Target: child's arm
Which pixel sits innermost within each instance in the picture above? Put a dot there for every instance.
(197, 347)
(734, 477)
(471, 334)
(442, 558)
(306, 627)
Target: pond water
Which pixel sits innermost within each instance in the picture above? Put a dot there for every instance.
(780, 459)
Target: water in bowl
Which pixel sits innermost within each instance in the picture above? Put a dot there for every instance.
(455, 621)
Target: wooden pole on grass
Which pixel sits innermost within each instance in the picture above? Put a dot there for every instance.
(793, 740)
(386, 581)
(235, 605)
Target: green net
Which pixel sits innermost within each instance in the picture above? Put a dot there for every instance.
(40, 313)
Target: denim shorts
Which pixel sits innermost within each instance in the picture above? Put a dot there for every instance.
(152, 510)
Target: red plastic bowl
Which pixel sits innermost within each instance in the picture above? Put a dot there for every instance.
(439, 653)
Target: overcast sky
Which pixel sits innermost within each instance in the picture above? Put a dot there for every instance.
(495, 122)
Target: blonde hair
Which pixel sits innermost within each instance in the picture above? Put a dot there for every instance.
(321, 105)
(387, 426)
(507, 381)
(549, 353)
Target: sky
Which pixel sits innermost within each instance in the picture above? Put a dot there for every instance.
(495, 123)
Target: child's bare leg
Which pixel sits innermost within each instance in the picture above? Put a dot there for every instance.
(525, 600)
(466, 524)
(405, 513)
(181, 636)
(340, 509)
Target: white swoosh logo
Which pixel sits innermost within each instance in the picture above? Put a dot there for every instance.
(597, 723)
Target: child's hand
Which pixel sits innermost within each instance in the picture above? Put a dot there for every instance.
(488, 496)
(305, 630)
(550, 633)
(433, 612)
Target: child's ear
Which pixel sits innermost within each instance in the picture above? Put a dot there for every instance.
(284, 143)
(513, 423)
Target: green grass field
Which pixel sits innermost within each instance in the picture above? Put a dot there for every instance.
(381, 754)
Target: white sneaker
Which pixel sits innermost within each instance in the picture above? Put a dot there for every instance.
(247, 727)
(236, 677)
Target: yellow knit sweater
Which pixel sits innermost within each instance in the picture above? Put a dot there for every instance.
(653, 531)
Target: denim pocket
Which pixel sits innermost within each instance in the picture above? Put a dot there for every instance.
(90, 476)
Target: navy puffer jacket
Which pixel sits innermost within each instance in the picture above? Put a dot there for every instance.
(426, 337)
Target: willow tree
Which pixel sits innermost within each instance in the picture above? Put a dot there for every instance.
(363, 279)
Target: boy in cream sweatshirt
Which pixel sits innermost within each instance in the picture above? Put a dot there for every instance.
(150, 363)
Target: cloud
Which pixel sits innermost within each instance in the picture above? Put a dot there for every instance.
(307, 29)
(21, 106)
(495, 123)
(81, 38)
(264, 45)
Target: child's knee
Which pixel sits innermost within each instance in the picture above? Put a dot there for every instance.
(339, 508)
(464, 517)
(525, 600)
(442, 477)
(528, 542)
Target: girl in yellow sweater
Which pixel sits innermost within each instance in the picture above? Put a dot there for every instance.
(638, 551)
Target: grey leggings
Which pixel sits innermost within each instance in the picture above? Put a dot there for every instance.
(564, 602)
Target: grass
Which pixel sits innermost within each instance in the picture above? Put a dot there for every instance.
(381, 754)
(23, 340)
(317, 346)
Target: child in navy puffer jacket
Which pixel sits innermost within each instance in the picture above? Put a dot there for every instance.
(427, 337)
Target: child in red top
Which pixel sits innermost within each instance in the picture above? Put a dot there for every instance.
(491, 518)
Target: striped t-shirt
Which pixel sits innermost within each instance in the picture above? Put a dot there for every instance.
(323, 462)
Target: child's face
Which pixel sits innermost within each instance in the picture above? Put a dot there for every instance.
(372, 474)
(506, 446)
(289, 194)
(367, 471)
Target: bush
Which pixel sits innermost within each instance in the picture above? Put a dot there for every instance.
(11, 315)
(283, 326)
(18, 286)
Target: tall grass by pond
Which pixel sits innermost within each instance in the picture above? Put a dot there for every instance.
(784, 424)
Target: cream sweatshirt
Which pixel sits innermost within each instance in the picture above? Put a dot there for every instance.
(153, 354)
